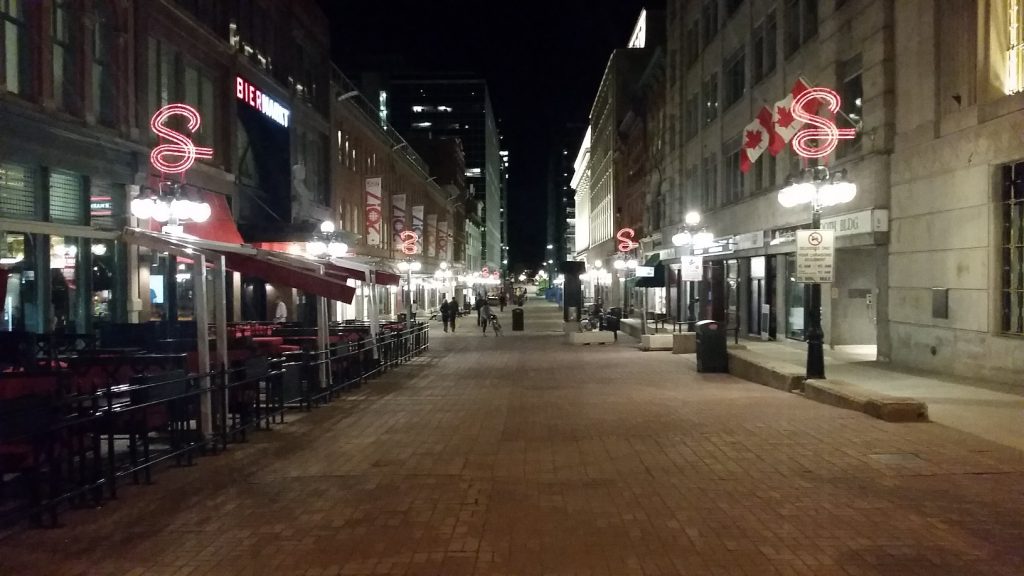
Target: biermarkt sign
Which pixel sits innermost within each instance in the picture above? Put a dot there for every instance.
(815, 256)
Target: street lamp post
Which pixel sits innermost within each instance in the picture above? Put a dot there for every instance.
(693, 238)
(820, 188)
(409, 267)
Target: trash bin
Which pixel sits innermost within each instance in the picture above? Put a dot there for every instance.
(517, 319)
(711, 347)
(613, 324)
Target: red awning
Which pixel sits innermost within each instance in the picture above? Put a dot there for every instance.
(345, 271)
(219, 227)
(387, 278)
(330, 288)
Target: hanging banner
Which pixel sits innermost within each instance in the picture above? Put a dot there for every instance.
(431, 233)
(442, 240)
(373, 211)
(397, 218)
(417, 227)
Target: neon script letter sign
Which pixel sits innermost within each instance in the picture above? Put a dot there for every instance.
(409, 239)
(252, 96)
(825, 133)
(181, 145)
(626, 239)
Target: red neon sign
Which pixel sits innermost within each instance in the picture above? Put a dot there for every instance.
(626, 240)
(182, 146)
(409, 239)
(485, 272)
(826, 134)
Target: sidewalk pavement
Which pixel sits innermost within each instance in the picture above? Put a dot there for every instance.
(991, 411)
(524, 456)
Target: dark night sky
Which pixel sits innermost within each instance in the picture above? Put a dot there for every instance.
(542, 60)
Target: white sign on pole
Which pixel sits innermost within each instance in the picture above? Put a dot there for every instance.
(692, 268)
(645, 271)
(815, 256)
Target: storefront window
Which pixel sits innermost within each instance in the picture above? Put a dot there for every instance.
(20, 291)
(185, 290)
(795, 309)
(158, 301)
(732, 284)
(104, 280)
(68, 285)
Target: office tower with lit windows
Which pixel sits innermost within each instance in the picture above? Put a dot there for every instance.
(432, 106)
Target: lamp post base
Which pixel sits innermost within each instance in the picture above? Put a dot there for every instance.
(815, 337)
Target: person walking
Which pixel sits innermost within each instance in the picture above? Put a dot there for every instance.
(280, 312)
(445, 312)
(502, 300)
(413, 309)
(485, 314)
(477, 303)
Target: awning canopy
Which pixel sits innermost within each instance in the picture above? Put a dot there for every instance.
(345, 271)
(272, 267)
(383, 278)
(656, 281)
(277, 273)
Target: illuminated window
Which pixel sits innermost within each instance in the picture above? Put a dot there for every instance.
(710, 94)
(18, 197)
(1015, 54)
(17, 57)
(1012, 293)
(422, 124)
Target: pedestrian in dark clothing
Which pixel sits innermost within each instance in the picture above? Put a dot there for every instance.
(502, 301)
(445, 313)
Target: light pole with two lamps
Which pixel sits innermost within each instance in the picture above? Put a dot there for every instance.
(693, 238)
(820, 188)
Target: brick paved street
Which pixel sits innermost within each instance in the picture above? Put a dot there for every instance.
(523, 456)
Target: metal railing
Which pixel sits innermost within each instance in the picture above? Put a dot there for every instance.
(75, 436)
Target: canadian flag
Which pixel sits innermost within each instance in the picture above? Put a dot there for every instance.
(784, 125)
(756, 137)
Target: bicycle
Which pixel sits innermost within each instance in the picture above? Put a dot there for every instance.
(495, 325)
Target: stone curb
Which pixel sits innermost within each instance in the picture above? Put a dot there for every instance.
(852, 397)
(788, 378)
(656, 343)
(761, 370)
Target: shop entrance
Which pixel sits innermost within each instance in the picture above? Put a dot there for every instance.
(761, 298)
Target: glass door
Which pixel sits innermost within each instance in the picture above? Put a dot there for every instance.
(795, 298)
